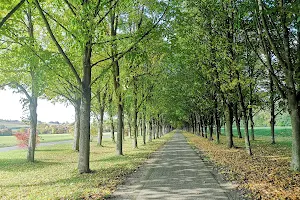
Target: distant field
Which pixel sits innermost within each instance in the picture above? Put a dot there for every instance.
(6, 141)
(14, 125)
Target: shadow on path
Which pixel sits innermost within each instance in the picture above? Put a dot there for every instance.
(174, 172)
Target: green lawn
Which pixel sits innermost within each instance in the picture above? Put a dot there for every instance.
(283, 134)
(54, 174)
(280, 131)
(6, 141)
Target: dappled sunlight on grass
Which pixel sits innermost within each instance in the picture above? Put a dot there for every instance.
(54, 174)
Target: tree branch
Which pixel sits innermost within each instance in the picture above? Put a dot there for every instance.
(68, 61)
(71, 7)
(11, 12)
(51, 17)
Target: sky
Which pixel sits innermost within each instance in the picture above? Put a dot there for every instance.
(11, 109)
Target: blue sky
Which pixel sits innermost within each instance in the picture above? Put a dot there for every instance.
(11, 108)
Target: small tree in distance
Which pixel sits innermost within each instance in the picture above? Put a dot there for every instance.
(23, 138)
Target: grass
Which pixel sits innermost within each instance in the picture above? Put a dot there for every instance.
(281, 131)
(6, 141)
(54, 175)
(283, 134)
(266, 174)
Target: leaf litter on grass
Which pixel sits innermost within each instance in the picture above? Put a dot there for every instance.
(266, 174)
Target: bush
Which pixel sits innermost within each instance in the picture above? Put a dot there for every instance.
(23, 138)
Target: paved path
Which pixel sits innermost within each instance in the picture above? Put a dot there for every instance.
(4, 149)
(175, 172)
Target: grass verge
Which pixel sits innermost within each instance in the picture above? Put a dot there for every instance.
(266, 174)
(54, 174)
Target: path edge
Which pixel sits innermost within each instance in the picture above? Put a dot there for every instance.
(233, 192)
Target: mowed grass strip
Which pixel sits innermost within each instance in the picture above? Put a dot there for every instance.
(280, 131)
(6, 141)
(54, 174)
(266, 174)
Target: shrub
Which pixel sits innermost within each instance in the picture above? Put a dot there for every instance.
(23, 138)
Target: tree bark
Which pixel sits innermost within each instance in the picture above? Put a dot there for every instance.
(157, 128)
(135, 129)
(237, 120)
(33, 124)
(246, 131)
(100, 127)
(202, 126)
(218, 125)
(144, 128)
(251, 123)
(295, 121)
(205, 128)
(135, 114)
(272, 109)
(211, 127)
(150, 130)
(33, 98)
(77, 104)
(85, 110)
(112, 128)
(229, 119)
(244, 116)
(117, 86)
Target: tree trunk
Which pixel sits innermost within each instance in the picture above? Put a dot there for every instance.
(135, 114)
(141, 125)
(101, 103)
(123, 126)
(246, 131)
(160, 127)
(229, 119)
(112, 128)
(153, 129)
(129, 127)
(205, 128)
(77, 125)
(295, 121)
(192, 122)
(144, 128)
(85, 110)
(157, 128)
(218, 126)
(195, 124)
(199, 126)
(100, 127)
(135, 129)
(211, 127)
(150, 130)
(237, 120)
(245, 117)
(202, 126)
(272, 110)
(119, 131)
(33, 124)
(251, 123)
(84, 141)
(33, 98)
(116, 79)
